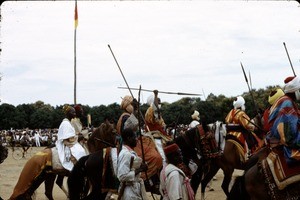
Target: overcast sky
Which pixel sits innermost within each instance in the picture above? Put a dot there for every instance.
(173, 46)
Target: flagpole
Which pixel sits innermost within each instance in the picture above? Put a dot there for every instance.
(75, 31)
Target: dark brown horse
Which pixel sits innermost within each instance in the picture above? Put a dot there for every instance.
(257, 182)
(195, 146)
(86, 180)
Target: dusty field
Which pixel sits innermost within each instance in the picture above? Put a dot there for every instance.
(11, 168)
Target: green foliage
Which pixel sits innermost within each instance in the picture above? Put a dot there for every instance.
(40, 115)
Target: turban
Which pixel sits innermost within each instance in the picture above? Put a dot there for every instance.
(292, 84)
(126, 104)
(66, 108)
(150, 100)
(274, 95)
(171, 148)
(78, 108)
(239, 102)
(195, 115)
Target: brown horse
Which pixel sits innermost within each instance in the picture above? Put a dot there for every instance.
(232, 158)
(257, 183)
(39, 167)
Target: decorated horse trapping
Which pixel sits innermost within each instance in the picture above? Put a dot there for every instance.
(282, 173)
(33, 170)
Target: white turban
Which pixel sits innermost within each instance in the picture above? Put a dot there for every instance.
(150, 100)
(195, 115)
(239, 103)
(292, 85)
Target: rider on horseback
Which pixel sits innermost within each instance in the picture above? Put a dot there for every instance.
(240, 125)
(285, 115)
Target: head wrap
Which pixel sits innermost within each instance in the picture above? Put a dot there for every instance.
(171, 148)
(126, 104)
(274, 95)
(150, 100)
(292, 84)
(239, 103)
(66, 108)
(78, 108)
(195, 115)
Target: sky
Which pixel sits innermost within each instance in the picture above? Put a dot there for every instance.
(171, 46)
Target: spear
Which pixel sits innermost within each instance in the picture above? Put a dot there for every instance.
(250, 91)
(178, 93)
(289, 58)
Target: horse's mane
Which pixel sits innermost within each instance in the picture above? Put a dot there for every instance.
(105, 132)
(187, 145)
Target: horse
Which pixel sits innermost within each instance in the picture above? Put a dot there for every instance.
(233, 156)
(258, 182)
(92, 176)
(39, 168)
(194, 146)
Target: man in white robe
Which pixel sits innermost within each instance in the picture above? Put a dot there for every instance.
(69, 150)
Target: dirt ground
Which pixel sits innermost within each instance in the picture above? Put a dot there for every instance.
(10, 170)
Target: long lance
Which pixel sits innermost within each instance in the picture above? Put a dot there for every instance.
(126, 82)
(289, 58)
(250, 91)
(178, 93)
(140, 114)
(141, 139)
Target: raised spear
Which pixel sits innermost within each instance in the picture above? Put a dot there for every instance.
(178, 93)
(289, 58)
(250, 91)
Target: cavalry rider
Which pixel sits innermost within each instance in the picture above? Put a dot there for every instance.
(272, 98)
(69, 150)
(153, 118)
(285, 117)
(240, 125)
(195, 118)
(127, 119)
(76, 123)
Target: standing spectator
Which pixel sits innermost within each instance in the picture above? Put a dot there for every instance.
(174, 184)
(130, 167)
(37, 138)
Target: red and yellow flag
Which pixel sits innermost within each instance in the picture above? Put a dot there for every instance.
(76, 15)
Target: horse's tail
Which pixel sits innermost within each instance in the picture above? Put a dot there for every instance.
(238, 190)
(76, 180)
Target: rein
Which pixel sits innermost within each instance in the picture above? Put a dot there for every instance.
(104, 142)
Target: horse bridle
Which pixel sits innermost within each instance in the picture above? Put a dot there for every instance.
(105, 142)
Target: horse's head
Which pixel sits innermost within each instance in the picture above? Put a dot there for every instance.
(102, 137)
(219, 130)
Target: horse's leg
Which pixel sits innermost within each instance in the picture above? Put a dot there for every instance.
(255, 184)
(49, 183)
(94, 169)
(76, 179)
(213, 169)
(196, 179)
(60, 182)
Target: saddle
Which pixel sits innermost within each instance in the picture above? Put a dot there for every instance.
(56, 164)
(209, 147)
(283, 173)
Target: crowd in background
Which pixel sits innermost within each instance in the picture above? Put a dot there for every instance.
(28, 137)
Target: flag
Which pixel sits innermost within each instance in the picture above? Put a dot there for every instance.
(76, 15)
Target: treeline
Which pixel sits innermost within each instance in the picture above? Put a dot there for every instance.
(41, 115)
